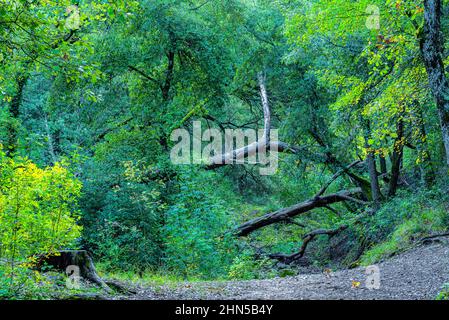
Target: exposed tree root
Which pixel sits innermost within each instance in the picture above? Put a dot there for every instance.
(429, 238)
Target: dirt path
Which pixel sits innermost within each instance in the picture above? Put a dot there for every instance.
(416, 274)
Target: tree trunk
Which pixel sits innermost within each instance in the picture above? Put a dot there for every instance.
(432, 53)
(371, 161)
(303, 207)
(168, 75)
(51, 147)
(78, 258)
(383, 164)
(396, 159)
(427, 172)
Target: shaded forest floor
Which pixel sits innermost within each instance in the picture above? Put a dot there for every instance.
(418, 273)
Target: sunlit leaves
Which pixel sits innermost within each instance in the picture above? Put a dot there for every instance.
(38, 209)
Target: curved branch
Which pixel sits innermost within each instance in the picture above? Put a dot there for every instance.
(263, 143)
(288, 258)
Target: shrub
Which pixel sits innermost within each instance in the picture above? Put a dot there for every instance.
(196, 229)
(38, 214)
(122, 223)
(245, 267)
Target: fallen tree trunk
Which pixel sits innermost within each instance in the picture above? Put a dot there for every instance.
(427, 240)
(266, 143)
(78, 258)
(238, 156)
(303, 207)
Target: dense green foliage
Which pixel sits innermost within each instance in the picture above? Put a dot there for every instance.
(38, 214)
(90, 94)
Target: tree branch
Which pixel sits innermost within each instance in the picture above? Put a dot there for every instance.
(298, 209)
(335, 176)
(263, 143)
(143, 74)
(288, 258)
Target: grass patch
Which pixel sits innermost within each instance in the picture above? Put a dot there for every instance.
(421, 224)
(147, 278)
(444, 294)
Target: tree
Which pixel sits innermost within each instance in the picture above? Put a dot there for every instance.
(432, 46)
(38, 212)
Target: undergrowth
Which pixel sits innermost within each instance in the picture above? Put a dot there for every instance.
(401, 223)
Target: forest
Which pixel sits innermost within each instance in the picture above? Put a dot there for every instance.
(155, 143)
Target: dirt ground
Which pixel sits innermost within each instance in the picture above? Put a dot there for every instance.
(416, 274)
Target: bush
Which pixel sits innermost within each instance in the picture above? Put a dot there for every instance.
(196, 229)
(38, 214)
(123, 222)
(128, 235)
(245, 267)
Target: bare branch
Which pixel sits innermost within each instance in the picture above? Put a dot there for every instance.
(143, 74)
(335, 176)
(301, 208)
(288, 258)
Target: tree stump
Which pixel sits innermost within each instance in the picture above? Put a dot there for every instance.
(78, 258)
